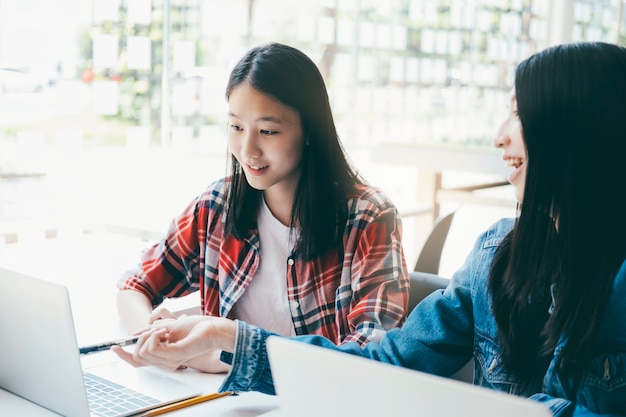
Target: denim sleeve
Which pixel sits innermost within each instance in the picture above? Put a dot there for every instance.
(437, 337)
(561, 407)
(412, 346)
(250, 368)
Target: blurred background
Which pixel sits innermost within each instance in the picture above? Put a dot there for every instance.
(112, 112)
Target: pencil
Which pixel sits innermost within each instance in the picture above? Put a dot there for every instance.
(185, 403)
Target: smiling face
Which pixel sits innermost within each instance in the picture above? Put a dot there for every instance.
(265, 136)
(509, 138)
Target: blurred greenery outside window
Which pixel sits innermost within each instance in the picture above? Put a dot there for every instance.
(409, 71)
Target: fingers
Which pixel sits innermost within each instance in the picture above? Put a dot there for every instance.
(161, 314)
(128, 357)
(154, 348)
(175, 344)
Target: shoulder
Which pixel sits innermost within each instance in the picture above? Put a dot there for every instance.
(211, 201)
(473, 275)
(496, 232)
(478, 261)
(369, 198)
(215, 192)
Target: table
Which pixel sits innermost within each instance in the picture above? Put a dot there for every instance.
(433, 160)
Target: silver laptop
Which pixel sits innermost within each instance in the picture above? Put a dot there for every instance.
(311, 381)
(41, 361)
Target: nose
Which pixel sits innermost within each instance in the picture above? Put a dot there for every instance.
(502, 137)
(249, 145)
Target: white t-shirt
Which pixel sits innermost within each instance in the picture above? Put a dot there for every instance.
(265, 303)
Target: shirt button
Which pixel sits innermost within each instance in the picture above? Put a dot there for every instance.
(290, 261)
(295, 304)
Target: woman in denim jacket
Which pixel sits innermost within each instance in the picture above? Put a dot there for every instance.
(540, 302)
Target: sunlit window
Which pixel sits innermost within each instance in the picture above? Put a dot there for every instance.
(112, 112)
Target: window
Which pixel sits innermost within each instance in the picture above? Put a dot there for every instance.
(119, 116)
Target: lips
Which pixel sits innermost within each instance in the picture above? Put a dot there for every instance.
(256, 170)
(256, 167)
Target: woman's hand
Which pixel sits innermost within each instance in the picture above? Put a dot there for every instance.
(161, 313)
(188, 341)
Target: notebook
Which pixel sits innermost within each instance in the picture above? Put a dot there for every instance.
(311, 381)
(41, 361)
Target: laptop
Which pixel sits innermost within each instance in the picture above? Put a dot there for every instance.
(41, 360)
(311, 381)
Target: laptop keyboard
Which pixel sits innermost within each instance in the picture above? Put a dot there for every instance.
(107, 398)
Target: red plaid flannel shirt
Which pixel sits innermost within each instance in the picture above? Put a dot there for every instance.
(353, 293)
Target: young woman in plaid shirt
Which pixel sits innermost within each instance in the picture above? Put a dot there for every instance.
(293, 240)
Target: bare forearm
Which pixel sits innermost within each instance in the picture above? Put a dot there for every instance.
(226, 335)
(134, 310)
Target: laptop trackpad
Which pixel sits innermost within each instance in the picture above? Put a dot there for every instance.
(145, 380)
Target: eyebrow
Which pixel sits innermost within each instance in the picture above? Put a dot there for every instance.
(263, 119)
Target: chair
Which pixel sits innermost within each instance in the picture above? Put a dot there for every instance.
(430, 255)
(422, 285)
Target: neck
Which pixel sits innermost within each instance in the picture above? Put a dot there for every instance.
(280, 207)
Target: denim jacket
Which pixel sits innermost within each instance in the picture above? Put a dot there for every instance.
(451, 326)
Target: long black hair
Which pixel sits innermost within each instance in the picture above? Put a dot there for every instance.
(320, 208)
(553, 274)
